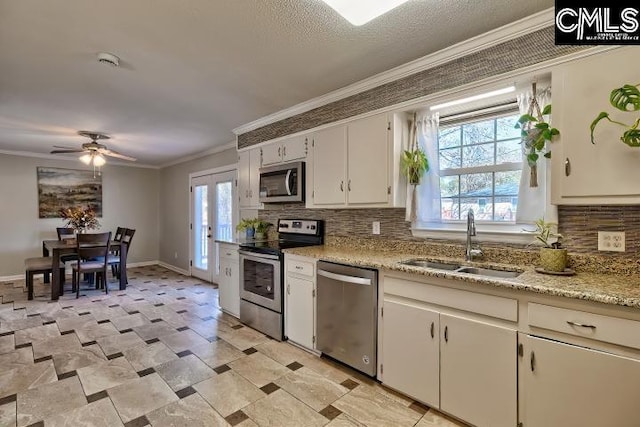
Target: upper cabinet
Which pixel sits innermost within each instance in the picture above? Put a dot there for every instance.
(286, 150)
(606, 172)
(357, 164)
(249, 179)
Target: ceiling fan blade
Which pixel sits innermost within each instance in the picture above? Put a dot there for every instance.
(115, 154)
(67, 151)
(63, 147)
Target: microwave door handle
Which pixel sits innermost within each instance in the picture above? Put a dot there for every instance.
(286, 182)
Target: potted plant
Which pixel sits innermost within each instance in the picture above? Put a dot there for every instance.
(414, 164)
(261, 228)
(627, 99)
(247, 224)
(553, 257)
(536, 132)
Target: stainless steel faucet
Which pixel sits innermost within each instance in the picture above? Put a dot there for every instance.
(471, 252)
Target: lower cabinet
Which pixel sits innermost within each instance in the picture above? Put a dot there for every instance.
(229, 280)
(411, 348)
(567, 385)
(464, 367)
(299, 300)
(478, 372)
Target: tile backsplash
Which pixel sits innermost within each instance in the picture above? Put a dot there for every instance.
(579, 225)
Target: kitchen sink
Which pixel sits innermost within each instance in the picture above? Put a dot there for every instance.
(417, 262)
(457, 268)
(488, 272)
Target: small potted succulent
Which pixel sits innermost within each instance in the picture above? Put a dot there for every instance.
(553, 257)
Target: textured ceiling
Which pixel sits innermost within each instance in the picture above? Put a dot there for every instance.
(193, 70)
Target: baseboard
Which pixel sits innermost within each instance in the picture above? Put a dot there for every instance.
(129, 265)
(173, 268)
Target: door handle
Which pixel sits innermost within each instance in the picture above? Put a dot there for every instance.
(208, 236)
(349, 185)
(567, 167)
(286, 182)
(432, 330)
(284, 151)
(446, 334)
(341, 185)
(288, 289)
(344, 278)
(278, 151)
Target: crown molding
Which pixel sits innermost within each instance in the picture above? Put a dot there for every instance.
(55, 157)
(213, 150)
(494, 37)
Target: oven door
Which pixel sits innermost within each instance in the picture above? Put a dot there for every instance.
(261, 280)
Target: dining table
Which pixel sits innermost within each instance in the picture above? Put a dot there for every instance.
(57, 248)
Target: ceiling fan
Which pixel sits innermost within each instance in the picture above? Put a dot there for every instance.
(94, 151)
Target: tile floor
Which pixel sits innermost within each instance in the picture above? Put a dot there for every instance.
(162, 353)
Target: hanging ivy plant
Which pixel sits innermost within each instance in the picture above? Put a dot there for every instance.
(627, 99)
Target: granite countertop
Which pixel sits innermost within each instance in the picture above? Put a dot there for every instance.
(603, 288)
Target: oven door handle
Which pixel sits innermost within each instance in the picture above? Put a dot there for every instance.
(261, 257)
(344, 278)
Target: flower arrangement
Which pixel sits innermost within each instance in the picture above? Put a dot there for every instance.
(80, 218)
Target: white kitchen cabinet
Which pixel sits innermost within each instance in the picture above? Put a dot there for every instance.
(566, 385)
(229, 279)
(286, 150)
(356, 164)
(299, 300)
(463, 366)
(584, 173)
(411, 348)
(368, 161)
(478, 372)
(249, 179)
(329, 167)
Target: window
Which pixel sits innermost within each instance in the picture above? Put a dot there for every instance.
(480, 168)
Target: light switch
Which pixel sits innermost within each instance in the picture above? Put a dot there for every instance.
(376, 227)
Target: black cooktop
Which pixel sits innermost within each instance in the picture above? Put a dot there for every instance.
(293, 234)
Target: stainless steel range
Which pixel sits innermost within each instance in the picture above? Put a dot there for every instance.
(262, 276)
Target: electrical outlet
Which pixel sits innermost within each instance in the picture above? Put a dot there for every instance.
(376, 227)
(613, 241)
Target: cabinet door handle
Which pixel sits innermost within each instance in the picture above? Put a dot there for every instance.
(567, 167)
(278, 151)
(288, 289)
(446, 334)
(533, 361)
(433, 327)
(581, 325)
(298, 267)
(341, 185)
(349, 185)
(284, 151)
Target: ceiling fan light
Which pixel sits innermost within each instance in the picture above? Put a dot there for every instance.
(99, 160)
(362, 11)
(86, 159)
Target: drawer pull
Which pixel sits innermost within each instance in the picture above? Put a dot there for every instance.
(432, 330)
(298, 267)
(581, 325)
(446, 334)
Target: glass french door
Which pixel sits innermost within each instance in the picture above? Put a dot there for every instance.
(213, 218)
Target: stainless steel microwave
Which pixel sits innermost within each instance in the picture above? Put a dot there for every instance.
(282, 183)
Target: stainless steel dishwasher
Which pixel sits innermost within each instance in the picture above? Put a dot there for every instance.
(347, 304)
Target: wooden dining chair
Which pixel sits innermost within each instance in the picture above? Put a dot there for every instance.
(115, 250)
(38, 265)
(92, 254)
(114, 260)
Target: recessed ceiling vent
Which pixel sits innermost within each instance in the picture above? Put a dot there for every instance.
(108, 58)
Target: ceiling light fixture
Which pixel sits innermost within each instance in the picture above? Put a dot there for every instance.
(474, 98)
(359, 12)
(108, 58)
(95, 159)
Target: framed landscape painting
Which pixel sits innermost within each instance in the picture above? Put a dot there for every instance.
(66, 188)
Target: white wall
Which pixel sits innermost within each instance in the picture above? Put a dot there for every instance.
(130, 199)
(174, 205)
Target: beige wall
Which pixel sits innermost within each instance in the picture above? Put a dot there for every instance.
(174, 205)
(130, 199)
